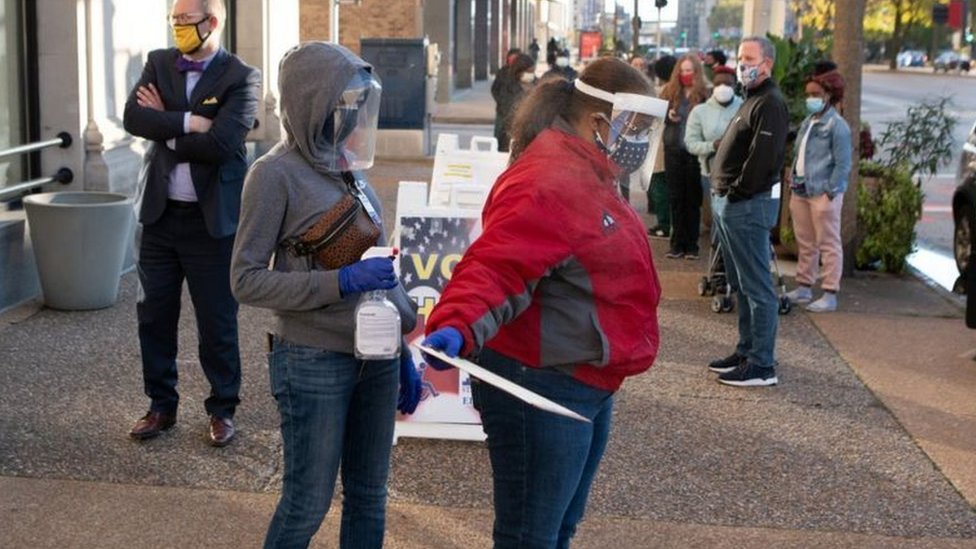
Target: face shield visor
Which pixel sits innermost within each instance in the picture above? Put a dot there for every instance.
(636, 123)
(351, 130)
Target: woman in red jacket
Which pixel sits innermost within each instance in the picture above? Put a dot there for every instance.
(559, 294)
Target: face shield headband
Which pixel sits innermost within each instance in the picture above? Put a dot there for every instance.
(635, 126)
(351, 129)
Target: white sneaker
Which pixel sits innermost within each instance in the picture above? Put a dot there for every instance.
(826, 303)
(802, 294)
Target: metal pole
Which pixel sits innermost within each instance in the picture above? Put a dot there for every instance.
(63, 141)
(334, 22)
(635, 40)
(658, 39)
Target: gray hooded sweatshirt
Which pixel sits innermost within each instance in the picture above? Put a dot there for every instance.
(285, 192)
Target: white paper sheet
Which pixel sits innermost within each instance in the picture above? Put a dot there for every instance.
(509, 387)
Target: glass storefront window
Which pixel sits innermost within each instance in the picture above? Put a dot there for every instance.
(12, 117)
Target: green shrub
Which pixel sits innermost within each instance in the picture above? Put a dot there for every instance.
(887, 213)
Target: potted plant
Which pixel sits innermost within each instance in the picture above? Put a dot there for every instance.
(890, 194)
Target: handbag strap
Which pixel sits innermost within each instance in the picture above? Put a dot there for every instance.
(355, 185)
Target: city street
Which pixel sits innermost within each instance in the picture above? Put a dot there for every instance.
(886, 96)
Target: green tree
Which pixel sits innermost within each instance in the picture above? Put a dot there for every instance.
(847, 52)
(726, 14)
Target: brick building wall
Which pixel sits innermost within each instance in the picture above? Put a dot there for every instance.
(368, 19)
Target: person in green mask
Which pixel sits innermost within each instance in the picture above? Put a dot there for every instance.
(194, 104)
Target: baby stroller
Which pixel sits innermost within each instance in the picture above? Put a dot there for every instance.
(715, 283)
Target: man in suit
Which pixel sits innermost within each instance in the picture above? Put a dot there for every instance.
(195, 103)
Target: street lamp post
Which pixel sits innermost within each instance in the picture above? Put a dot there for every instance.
(658, 39)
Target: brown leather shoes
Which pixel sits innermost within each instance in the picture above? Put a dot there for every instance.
(221, 431)
(152, 424)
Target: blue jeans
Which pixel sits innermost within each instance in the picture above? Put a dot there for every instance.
(335, 409)
(542, 464)
(744, 232)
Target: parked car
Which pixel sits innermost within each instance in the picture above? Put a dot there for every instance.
(911, 58)
(951, 61)
(964, 207)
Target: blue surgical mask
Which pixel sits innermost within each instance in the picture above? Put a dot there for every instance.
(815, 104)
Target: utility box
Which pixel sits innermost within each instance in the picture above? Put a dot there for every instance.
(401, 64)
(407, 68)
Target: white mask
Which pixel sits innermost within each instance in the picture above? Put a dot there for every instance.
(562, 61)
(723, 93)
(527, 77)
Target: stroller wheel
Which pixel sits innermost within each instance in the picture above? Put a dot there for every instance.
(705, 286)
(785, 305)
(722, 304)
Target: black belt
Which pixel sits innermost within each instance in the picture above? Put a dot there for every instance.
(181, 205)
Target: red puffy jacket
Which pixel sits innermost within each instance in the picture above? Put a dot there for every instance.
(562, 274)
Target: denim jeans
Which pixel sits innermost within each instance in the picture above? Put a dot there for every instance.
(542, 464)
(744, 232)
(335, 410)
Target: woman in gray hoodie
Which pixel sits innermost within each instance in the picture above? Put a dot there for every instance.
(336, 410)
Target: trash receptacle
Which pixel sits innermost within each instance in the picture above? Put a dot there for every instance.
(79, 241)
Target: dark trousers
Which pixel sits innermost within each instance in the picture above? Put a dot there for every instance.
(657, 194)
(175, 248)
(685, 197)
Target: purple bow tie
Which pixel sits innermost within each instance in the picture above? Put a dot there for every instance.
(183, 65)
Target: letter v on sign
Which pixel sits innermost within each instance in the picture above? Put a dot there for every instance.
(424, 270)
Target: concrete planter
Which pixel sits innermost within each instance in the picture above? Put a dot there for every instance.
(79, 241)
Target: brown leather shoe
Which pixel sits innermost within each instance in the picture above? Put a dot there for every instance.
(152, 424)
(221, 431)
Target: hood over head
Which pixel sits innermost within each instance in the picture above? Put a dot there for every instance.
(312, 77)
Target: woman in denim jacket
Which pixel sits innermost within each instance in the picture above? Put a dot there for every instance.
(818, 181)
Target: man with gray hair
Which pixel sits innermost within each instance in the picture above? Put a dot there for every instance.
(746, 191)
(194, 103)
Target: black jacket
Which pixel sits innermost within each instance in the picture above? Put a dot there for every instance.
(227, 93)
(749, 160)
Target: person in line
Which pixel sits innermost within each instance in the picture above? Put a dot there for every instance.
(534, 50)
(559, 294)
(507, 89)
(657, 189)
(337, 410)
(552, 50)
(195, 103)
(624, 181)
(706, 124)
(818, 181)
(561, 68)
(685, 90)
(746, 183)
(713, 60)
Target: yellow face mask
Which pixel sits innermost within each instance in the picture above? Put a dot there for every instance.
(187, 37)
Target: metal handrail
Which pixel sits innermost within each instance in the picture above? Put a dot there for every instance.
(63, 176)
(63, 141)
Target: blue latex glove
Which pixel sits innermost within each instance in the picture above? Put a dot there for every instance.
(448, 340)
(409, 383)
(375, 273)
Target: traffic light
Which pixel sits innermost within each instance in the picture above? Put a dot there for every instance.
(940, 14)
(660, 3)
(684, 34)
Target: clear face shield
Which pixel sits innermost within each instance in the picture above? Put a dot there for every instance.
(352, 128)
(636, 125)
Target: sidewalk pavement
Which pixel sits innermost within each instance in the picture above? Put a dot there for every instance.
(868, 441)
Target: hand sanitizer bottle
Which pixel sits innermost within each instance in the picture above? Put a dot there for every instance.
(377, 335)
